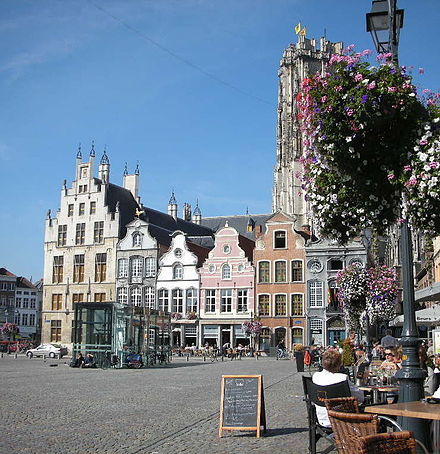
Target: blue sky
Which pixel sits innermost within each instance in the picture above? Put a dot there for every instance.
(186, 87)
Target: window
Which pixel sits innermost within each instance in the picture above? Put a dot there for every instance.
(263, 272)
(163, 299)
(24, 319)
(280, 239)
(177, 300)
(17, 319)
(150, 267)
(297, 336)
(178, 271)
(98, 232)
(78, 268)
(70, 210)
(136, 268)
(31, 319)
(25, 303)
(210, 301)
(62, 235)
(100, 267)
(333, 300)
(17, 302)
(297, 305)
(57, 301)
(150, 297)
(297, 271)
(80, 233)
(122, 268)
(122, 293)
(226, 300)
(33, 303)
(137, 239)
(99, 297)
(280, 271)
(92, 207)
(81, 209)
(335, 264)
(178, 253)
(226, 249)
(77, 298)
(55, 330)
(136, 296)
(263, 304)
(242, 300)
(280, 305)
(226, 272)
(57, 271)
(211, 268)
(191, 300)
(316, 293)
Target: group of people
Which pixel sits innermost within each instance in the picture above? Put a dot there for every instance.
(84, 362)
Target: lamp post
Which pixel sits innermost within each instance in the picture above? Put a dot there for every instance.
(385, 16)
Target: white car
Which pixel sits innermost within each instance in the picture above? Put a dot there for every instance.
(50, 350)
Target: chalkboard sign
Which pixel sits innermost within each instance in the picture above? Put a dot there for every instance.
(242, 403)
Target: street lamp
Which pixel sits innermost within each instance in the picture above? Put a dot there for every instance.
(385, 16)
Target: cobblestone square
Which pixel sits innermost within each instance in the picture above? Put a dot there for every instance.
(48, 407)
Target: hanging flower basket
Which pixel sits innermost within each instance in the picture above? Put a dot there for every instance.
(252, 328)
(360, 124)
(9, 328)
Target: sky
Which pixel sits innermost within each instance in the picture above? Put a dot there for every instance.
(187, 88)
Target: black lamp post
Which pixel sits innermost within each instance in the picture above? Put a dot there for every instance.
(385, 17)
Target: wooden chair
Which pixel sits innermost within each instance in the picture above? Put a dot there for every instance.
(316, 395)
(387, 443)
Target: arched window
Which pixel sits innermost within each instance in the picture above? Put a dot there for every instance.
(149, 297)
(137, 239)
(122, 295)
(297, 306)
(226, 271)
(264, 305)
(136, 267)
(280, 271)
(263, 272)
(178, 271)
(136, 296)
(280, 305)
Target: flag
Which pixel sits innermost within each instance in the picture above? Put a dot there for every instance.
(298, 28)
(303, 31)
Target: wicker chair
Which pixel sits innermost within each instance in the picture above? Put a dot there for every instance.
(387, 443)
(345, 404)
(349, 427)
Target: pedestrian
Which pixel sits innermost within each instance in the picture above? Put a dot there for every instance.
(388, 341)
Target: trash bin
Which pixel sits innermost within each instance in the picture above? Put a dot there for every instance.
(299, 357)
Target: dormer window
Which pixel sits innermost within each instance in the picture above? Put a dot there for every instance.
(137, 239)
(226, 272)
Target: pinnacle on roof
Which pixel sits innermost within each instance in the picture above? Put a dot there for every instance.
(125, 170)
(104, 159)
(173, 200)
(197, 211)
(79, 155)
(136, 170)
(92, 151)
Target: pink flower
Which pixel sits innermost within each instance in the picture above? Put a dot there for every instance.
(390, 176)
(358, 77)
(371, 86)
(338, 88)
(423, 142)
(324, 99)
(407, 168)
(392, 89)
(350, 112)
(434, 165)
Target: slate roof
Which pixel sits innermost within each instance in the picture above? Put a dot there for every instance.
(5, 272)
(240, 223)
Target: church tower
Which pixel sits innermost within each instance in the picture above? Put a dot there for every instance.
(298, 62)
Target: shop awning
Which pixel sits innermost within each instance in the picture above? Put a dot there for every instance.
(431, 293)
(428, 316)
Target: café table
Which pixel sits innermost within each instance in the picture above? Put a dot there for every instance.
(378, 391)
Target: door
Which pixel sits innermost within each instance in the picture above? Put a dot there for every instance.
(334, 336)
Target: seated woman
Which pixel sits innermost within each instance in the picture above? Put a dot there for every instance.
(332, 363)
(391, 361)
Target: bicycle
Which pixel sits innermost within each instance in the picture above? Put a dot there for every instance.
(109, 359)
(282, 354)
(213, 355)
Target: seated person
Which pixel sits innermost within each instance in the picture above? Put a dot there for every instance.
(89, 361)
(281, 345)
(331, 363)
(78, 362)
(391, 361)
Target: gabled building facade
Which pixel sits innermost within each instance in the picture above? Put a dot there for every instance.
(280, 282)
(227, 280)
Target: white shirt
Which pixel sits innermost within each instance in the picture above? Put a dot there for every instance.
(325, 378)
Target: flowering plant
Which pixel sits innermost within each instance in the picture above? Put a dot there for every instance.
(176, 315)
(9, 328)
(359, 124)
(253, 327)
(191, 315)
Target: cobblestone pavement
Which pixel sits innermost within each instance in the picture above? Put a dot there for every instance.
(48, 407)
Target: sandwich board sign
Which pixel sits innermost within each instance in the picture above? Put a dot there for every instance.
(242, 404)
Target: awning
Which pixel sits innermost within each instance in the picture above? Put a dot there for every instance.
(431, 293)
(428, 316)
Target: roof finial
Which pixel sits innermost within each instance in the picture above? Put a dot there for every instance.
(197, 211)
(172, 198)
(136, 171)
(92, 151)
(79, 155)
(247, 211)
(104, 159)
(125, 170)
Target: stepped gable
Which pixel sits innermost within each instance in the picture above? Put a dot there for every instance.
(240, 223)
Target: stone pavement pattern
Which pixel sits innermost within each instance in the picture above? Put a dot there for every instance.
(171, 409)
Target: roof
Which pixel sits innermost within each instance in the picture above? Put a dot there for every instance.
(239, 222)
(5, 272)
(22, 282)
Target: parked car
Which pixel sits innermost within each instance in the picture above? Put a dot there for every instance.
(50, 350)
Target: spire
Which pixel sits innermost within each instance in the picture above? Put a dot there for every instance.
(197, 211)
(104, 159)
(173, 200)
(92, 151)
(79, 155)
(247, 211)
(125, 170)
(136, 170)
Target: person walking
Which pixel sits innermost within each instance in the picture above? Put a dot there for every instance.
(388, 341)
